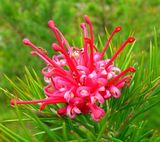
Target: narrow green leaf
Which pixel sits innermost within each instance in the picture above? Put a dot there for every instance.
(12, 134)
(103, 127)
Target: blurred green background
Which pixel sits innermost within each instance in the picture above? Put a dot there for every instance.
(23, 18)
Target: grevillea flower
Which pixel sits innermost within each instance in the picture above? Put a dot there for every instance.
(80, 78)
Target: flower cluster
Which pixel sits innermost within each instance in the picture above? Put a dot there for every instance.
(80, 77)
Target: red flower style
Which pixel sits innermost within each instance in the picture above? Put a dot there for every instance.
(80, 78)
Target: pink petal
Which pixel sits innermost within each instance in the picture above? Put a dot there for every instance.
(68, 95)
(70, 111)
(96, 112)
(115, 91)
(99, 98)
(108, 95)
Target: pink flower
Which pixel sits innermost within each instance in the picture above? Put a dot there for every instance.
(80, 78)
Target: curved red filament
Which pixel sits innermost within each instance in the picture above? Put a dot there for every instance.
(129, 69)
(116, 30)
(129, 40)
